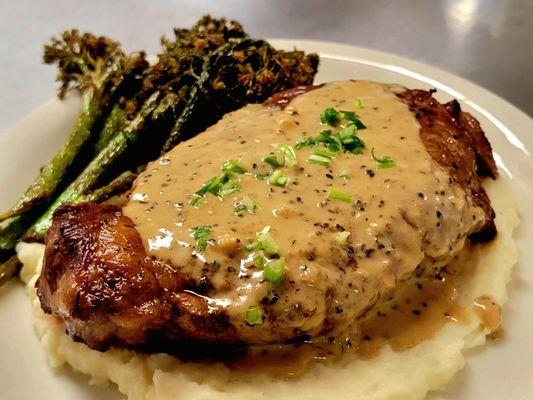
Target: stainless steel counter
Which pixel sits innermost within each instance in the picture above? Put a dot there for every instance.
(487, 41)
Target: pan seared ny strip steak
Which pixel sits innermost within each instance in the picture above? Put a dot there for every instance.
(182, 266)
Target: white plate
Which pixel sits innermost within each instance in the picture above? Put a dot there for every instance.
(496, 371)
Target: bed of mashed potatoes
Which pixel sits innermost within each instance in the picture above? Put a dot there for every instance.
(410, 374)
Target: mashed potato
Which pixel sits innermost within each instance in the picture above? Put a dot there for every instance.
(410, 374)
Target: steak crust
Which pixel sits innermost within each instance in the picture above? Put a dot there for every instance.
(98, 278)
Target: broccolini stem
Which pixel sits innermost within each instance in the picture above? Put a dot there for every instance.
(8, 269)
(117, 186)
(89, 177)
(51, 176)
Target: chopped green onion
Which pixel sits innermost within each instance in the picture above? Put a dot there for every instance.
(264, 242)
(277, 178)
(352, 117)
(324, 153)
(247, 204)
(306, 142)
(227, 188)
(250, 204)
(336, 194)
(253, 246)
(254, 315)
(344, 173)
(239, 208)
(259, 261)
(384, 162)
(201, 235)
(347, 134)
(272, 160)
(320, 160)
(289, 156)
(342, 237)
(274, 270)
(359, 103)
(232, 167)
(330, 116)
(268, 244)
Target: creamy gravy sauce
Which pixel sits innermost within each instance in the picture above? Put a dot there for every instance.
(399, 218)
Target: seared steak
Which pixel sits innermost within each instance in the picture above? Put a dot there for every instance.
(349, 228)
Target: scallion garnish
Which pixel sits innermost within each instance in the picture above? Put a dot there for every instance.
(201, 235)
(289, 155)
(384, 162)
(359, 103)
(330, 116)
(247, 204)
(254, 315)
(258, 261)
(341, 237)
(232, 167)
(239, 208)
(268, 244)
(264, 242)
(336, 194)
(277, 178)
(320, 160)
(306, 142)
(274, 270)
(344, 173)
(352, 117)
(272, 160)
(222, 185)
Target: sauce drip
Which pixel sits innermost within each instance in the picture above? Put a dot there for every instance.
(489, 312)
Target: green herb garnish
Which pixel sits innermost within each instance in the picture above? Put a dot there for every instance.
(320, 157)
(384, 162)
(264, 242)
(289, 155)
(272, 160)
(231, 167)
(254, 315)
(277, 178)
(222, 185)
(306, 142)
(330, 116)
(247, 204)
(359, 103)
(201, 235)
(344, 173)
(336, 194)
(274, 270)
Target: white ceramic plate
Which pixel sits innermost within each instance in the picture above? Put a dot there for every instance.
(501, 370)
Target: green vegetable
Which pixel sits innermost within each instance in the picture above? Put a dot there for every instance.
(289, 155)
(359, 103)
(352, 117)
(384, 162)
(330, 116)
(274, 270)
(201, 234)
(336, 194)
(222, 185)
(306, 142)
(344, 173)
(277, 178)
(239, 208)
(320, 160)
(254, 315)
(98, 68)
(273, 161)
(231, 167)
(9, 269)
(259, 261)
(264, 242)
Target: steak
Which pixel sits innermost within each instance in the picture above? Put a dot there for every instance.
(112, 284)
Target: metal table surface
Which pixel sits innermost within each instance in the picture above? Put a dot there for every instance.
(487, 41)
